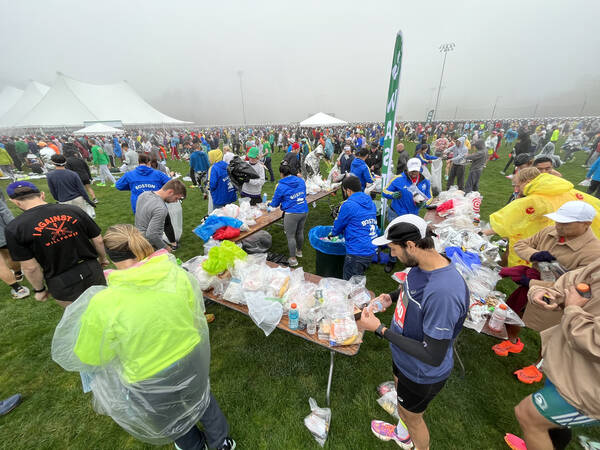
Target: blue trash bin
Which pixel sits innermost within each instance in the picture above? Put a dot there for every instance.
(330, 255)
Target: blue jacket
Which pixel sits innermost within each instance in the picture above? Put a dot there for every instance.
(594, 172)
(425, 158)
(406, 203)
(117, 147)
(199, 161)
(357, 219)
(222, 190)
(142, 179)
(361, 170)
(290, 193)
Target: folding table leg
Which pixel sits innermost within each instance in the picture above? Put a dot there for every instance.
(330, 377)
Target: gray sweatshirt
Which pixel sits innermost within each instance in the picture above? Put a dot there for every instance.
(150, 214)
(479, 159)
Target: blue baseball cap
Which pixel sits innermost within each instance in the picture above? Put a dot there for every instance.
(24, 188)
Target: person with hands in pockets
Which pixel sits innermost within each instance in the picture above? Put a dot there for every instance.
(431, 307)
(571, 363)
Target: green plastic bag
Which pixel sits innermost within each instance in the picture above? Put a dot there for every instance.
(222, 257)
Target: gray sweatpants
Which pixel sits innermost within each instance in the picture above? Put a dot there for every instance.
(105, 174)
(293, 225)
(473, 180)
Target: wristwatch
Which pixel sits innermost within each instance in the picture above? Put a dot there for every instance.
(379, 331)
(43, 289)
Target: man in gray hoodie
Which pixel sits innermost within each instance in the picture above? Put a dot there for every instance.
(457, 171)
(151, 211)
(478, 160)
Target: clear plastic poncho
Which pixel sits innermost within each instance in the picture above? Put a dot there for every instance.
(142, 347)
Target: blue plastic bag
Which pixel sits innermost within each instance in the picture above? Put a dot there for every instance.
(458, 255)
(327, 247)
(213, 223)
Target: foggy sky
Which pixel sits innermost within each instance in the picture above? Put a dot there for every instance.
(302, 57)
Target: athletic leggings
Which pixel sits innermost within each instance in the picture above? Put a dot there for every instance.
(293, 225)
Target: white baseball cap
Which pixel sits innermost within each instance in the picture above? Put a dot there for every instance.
(403, 228)
(574, 211)
(413, 165)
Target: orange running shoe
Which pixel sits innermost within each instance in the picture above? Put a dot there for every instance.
(506, 347)
(514, 442)
(529, 375)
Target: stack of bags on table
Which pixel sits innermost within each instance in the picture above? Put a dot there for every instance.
(228, 222)
(269, 293)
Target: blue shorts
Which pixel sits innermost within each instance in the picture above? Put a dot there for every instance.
(555, 408)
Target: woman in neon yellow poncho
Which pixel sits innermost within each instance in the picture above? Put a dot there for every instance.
(525, 216)
(141, 345)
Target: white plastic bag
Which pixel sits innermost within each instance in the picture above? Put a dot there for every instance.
(266, 314)
(585, 182)
(389, 402)
(318, 421)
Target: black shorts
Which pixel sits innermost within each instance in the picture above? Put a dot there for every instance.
(412, 396)
(69, 285)
(86, 181)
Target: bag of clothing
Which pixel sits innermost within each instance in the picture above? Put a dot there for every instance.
(259, 242)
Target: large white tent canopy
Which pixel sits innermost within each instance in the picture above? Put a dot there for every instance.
(98, 129)
(34, 92)
(70, 103)
(8, 97)
(322, 120)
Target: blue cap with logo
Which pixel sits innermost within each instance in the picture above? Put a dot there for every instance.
(20, 188)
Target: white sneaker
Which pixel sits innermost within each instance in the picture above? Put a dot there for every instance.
(292, 262)
(22, 292)
(298, 254)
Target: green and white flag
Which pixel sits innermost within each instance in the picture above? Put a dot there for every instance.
(390, 122)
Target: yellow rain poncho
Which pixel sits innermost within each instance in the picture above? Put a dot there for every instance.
(524, 217)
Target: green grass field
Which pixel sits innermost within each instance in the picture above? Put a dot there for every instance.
(263, 383)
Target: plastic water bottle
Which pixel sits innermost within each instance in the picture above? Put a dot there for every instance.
(293, 316)
(311, 324)
(498, 318)
(264, 198)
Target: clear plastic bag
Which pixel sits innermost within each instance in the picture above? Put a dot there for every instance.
(389, 402)
(277, 281)
(318, 421)
(234, 292)
(359, 294)
(266, 314)
(550, 271)
(586, 182)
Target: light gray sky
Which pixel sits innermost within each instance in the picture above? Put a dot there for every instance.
(307, 56)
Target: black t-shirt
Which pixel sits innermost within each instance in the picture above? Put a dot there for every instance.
(58, 236)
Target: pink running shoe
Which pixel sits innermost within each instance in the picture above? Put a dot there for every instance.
(514, 442)
(387, 432)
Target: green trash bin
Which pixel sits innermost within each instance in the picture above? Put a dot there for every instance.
(330, 255)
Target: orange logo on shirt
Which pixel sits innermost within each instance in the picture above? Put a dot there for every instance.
(579, 196)
(530, 210)
(57, 227)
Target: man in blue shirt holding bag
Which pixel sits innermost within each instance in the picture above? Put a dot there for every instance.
(357, 221)
(360, 169)
(408, 191)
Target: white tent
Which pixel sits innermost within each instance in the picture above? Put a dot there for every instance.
(98, 129)
(34, 92)
(70, 103)
(322, 120)
(8, 97)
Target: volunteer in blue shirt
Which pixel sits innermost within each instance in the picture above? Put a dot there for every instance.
(357, 221)
(199, 165)
(222, 191)
(408, 191)
(290, 193)
(360, 169)
(143, 178)
(431, 307)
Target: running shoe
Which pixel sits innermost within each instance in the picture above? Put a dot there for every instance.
(503, 172)
(506, 347)
(95, 201)
(514, 442)
(101, 184)
(22, 292)
(387, 432)
(529, 375)
(298, 254)
(292, 262)
(228, 444)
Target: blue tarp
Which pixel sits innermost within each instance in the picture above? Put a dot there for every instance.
(213, 223)
(327, 247)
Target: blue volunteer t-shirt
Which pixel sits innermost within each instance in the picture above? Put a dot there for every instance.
(431, 303)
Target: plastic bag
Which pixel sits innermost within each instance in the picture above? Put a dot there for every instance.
(254, 277)
(234, 292)
(386, 387)
(277, 281)
(586, 182)
(318, 421)
(259, 242)
(359, 295)
(436, 175)
(194, 266)
(329, 248)
(389, 402)
(550, 271)
(222, 257)
(343, 331)
(264, 313)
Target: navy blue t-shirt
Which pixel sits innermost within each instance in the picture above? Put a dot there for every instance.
(431, 303)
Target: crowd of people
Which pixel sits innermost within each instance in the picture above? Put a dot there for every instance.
(162, 331)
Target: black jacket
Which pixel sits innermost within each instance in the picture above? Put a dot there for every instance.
(375, 161)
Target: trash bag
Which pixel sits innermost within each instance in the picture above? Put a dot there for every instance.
(436, 175)
(213, 223)
(259, 242)
(266, 314)
(240, 172)
(222, 257)
(327, 247)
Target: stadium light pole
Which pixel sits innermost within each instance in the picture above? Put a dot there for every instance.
(444, 48)
(494, 109)
(240, 74)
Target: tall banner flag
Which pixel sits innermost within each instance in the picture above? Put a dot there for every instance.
(390, 123)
